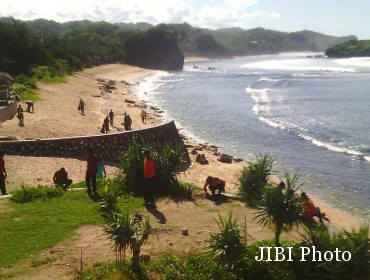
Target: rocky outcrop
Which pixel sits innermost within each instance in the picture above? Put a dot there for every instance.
(155, 49)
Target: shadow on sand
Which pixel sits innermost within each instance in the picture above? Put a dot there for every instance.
(152, 209)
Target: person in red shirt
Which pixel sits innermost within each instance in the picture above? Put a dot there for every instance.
(214, 184)
(2, 174)
(310, 209)
(92, 168)
(149, 175)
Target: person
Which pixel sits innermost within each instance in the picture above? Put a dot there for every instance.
(2, 174)
(20, 115)
(111, 117)
(102, 130)
(143, 116)
(149, 175)
(81, 106)
(30, 106)
(60, 178)
(92, 168)
(214, 184)
(310, 209)
(101, 173)
(106, 124)
(127, 122)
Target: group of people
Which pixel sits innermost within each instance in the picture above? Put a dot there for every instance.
(215, 184)
(108, 121)
(95, 169)
(20, 111)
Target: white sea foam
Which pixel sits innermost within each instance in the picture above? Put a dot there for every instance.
(332, 147)
(264, 79)
(354, 61)
(300, 64)
(151, 83)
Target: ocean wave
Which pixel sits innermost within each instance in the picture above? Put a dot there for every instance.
(296, 65)
(354, 61)
(257, 90)
(265, 79)
(332, 147)
(300, 131)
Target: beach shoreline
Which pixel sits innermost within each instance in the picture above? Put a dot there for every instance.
(49, 112)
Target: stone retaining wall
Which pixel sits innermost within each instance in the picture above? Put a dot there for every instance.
(107, 145)
(8, 112)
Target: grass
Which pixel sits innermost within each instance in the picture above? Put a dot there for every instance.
(54, 80)
(27, 229)
(27, 92)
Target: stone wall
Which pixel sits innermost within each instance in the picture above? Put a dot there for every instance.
(107, 145)
(8, 112)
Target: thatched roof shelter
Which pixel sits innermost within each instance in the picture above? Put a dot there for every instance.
(6, 80)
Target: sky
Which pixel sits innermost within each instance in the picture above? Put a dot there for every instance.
(330, 17)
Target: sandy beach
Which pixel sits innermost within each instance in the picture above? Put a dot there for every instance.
(57, 116)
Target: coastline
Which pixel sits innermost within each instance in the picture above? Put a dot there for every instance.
(53, 116)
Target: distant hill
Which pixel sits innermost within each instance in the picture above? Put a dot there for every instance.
(237, 41)
(223, 42)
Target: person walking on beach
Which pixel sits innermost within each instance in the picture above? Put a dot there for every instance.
(143, 116)
(149, 175)
(92, 169)
(106, 124)
(81, 106)
(111, 117)
(2, 174)
(20, 115)
(129, 122)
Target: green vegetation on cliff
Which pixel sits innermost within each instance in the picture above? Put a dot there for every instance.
(350, 49)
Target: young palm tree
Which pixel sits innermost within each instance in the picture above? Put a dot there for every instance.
(253, 178)
(281, 207)
(128, 232)
(226, 245)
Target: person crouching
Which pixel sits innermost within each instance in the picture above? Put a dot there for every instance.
(214, 184)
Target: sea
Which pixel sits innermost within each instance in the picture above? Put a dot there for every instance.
(309, 112)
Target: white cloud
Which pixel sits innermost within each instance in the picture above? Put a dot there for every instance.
(275, 15)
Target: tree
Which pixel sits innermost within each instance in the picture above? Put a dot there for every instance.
(128, 232)
(281, 207)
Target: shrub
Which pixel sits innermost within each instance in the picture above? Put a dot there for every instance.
(226, 245)
(25, 80)
(167, 162)
(356, 242)
(253, 178)
(27, 194)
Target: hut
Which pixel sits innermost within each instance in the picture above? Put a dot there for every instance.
(6, 82)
